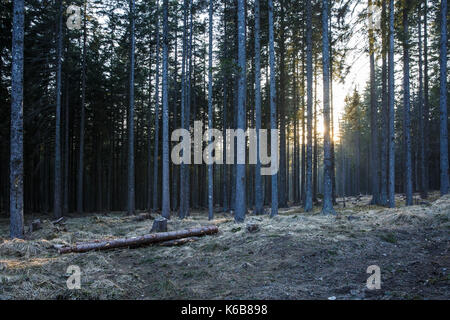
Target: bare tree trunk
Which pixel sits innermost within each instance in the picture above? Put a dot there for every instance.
(328, 185)
(130, 123)
(258, 181)
(384, 109)
(57, 204)
(309, 75)
(407, 115)
(240, 209)
(443, 119)
(391, 154)
(165, 118)
(282, 110)
(16, 153)
(273, 107)
(66, 151)
(373, 116)
(183, 171)
(210, 111)
(156, 144)
(422, 178)
(426, 110)
(80, 182)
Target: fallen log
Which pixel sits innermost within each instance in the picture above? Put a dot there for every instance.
(58, 221)
(139, 241)
(178, 242)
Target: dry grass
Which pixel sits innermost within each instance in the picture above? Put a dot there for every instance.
(293, 256)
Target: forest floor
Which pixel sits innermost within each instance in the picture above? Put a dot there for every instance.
(293, 256)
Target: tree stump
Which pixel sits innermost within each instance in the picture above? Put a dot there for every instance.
(159, 225)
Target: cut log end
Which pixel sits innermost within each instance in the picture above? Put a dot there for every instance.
(159, 225)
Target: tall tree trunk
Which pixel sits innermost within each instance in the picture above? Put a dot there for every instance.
(384, 108)
(149, 138)
(225, 171)
(358, 163)
(328, 185)
(66, 150)
(16, 153)
(80, 182)
(210, 111)
(443, 119)
(373, 114)
(407, 107)
(188, 103)
(333, 154)
(282, 110)
(303, 168)
(391, 79)
(183, 171)
(165, 117)
(239, 215)
(156, 138)
(426, 107)
(57, 204)
(422, 179)
(316, 145)
(258, 181)
(309, 76)
(130, 124)
(273, 107)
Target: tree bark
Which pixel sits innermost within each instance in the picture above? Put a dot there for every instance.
(156, 137)
(373, 115)
(407, 112)
(139, 241)
(273, 107)
(16, 153)
(328, 185)
(443, 119)
(309, 103)
(258, 180)
(80, 182)
(130, 123)
(165, 118)
(57, 204)
(391, 79)
(210, 111)
(240, 205)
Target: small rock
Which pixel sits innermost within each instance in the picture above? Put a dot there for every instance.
(252, 227)
(159, 225)
(246, 265)
(332, 298)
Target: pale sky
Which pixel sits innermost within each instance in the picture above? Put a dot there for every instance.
(359, 72)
